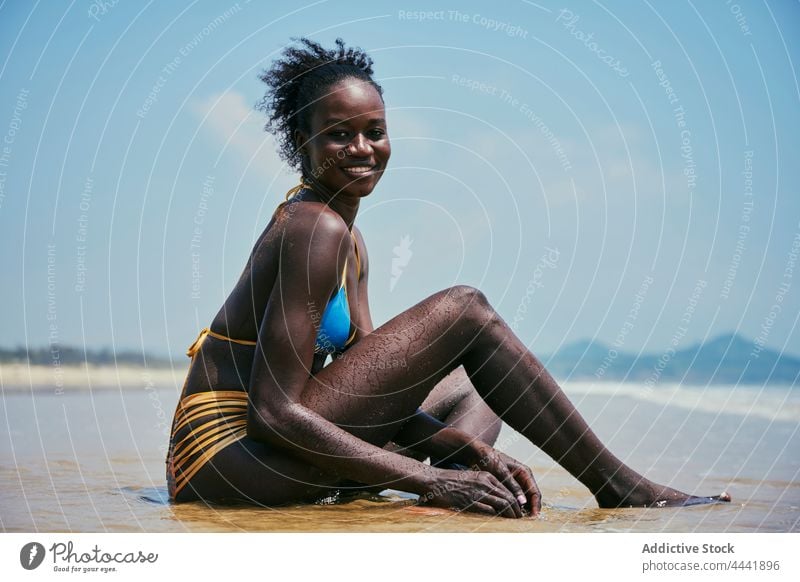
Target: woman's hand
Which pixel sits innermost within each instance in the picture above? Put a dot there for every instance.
(515, 476)
(477, 491)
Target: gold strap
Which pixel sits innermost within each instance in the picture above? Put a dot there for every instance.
(204, 440)
(182, 412)
(358, 258)
(188, 448)
(344, 276)
(195, 347)
(202, 404)
(296, 189)
(182, 479)
(202, 411)
(185, 412)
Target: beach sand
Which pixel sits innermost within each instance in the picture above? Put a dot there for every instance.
(86, 454)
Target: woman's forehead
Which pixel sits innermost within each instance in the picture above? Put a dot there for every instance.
(348, 99)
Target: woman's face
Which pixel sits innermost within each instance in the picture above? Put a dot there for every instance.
(348, 146)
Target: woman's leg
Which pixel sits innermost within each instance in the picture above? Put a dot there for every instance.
(363, 395)
(459, 327)
(455, 402)
(251, 471)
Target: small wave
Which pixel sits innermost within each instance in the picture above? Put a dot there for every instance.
(777, 404)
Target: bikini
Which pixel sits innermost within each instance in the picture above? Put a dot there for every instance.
(207, 422)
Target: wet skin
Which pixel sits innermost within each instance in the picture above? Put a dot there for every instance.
(312, 428)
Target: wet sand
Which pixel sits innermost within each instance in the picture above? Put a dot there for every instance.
(92, 460)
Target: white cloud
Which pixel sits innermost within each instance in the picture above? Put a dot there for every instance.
(237, 127)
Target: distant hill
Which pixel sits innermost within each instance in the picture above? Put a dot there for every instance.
(69, 355)
(726, 359)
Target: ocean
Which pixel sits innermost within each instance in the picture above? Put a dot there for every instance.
(92, 460)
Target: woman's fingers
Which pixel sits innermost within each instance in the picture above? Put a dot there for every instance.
(496, 465)
(484, 492)
(509, 480)
(536, 498)
(524, 477)
(500, 506)
(507, 501)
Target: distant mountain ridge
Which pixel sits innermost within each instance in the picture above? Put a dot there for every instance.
(726, 359)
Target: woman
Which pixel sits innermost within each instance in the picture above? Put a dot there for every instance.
(261, 418)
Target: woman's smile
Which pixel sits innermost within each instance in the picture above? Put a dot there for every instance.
(359, 171)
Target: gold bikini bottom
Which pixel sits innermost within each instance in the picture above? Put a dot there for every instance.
(204, 424)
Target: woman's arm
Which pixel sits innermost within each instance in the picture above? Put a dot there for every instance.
(312, 252)
(429, 435)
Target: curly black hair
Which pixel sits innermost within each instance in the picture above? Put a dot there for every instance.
(298, 79)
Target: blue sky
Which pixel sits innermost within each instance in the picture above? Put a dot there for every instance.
(612, 171)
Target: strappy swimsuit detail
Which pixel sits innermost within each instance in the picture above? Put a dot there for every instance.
(207, 422)
(204, 424)
(195, 347)
(224, 421)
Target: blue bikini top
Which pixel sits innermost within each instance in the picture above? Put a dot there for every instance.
(334, 327)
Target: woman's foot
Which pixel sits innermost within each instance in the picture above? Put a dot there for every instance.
(648, 494)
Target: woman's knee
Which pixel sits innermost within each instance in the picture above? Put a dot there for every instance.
(467, 293)
(472, 304)
(469, 297)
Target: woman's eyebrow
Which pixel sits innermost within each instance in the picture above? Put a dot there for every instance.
(336, 120)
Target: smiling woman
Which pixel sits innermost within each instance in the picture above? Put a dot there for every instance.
(263, 419)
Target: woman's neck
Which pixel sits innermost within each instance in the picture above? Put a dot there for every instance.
(342, 204)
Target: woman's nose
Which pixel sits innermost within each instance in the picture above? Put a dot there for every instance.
(359, 147)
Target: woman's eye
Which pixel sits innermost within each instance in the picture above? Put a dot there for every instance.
(377, 133)
(338, 134)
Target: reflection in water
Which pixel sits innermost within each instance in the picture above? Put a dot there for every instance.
(79, 472)
(157, 495)
(393, 511)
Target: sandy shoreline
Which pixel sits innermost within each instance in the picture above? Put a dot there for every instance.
(19, 376)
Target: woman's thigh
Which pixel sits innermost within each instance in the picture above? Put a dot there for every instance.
(380, 381)
(455, 402)
(254, 472)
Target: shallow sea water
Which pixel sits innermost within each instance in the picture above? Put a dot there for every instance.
(93, 461)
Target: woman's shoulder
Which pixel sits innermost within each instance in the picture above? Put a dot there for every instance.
(309, 224)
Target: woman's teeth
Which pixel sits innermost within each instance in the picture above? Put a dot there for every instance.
(358, 169)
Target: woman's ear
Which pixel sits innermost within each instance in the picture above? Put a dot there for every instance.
(300, 140)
